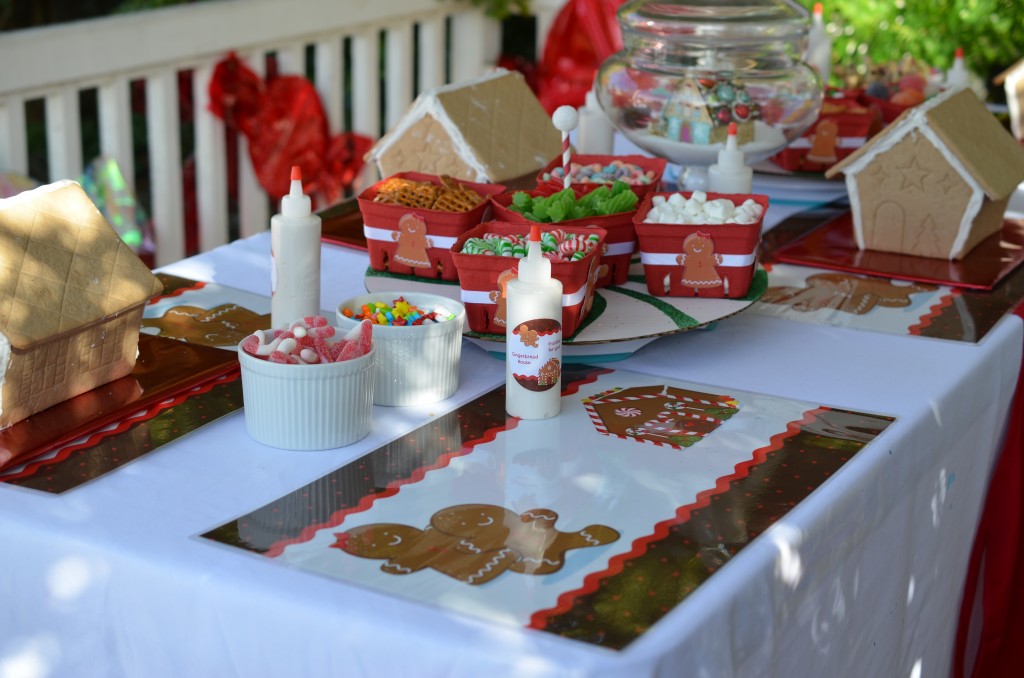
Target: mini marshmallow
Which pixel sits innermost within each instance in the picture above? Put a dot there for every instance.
(699, 210)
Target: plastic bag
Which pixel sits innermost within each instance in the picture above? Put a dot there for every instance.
(285, 124)
(582, 36)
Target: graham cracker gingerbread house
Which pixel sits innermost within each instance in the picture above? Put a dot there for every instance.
(936, 181)
(488, 130)
(71, 299)
(1012, 80)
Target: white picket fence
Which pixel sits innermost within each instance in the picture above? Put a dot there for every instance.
(55, 64)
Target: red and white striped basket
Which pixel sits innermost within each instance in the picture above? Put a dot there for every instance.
(699, 260)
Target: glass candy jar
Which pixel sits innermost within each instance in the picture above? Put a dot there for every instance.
(690, 67)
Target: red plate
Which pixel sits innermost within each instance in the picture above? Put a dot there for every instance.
(832, 246)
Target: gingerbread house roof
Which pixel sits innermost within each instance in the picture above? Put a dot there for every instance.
(62, 266)
(1000, 78)
(495, 124)
(977, 143)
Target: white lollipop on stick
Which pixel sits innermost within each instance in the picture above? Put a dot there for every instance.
(565, 119)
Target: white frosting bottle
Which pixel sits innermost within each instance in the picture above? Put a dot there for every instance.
(730, 174)
(819, 46)
(533, 337)
(295, 258)
(956, 77)
(596, 135)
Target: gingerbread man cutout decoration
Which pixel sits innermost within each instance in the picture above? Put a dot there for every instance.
(538, 546)
(823, 142)
(699, 261)
(406, 550)
(597, 271)
(412, 241)
(474, 543)
(846, 293)
(498, 296)
(223, 325)
(527, 336)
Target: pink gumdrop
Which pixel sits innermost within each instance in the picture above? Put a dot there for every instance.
(322, 349)
(306, 341)
(324, 332)
(350, 351)
(360, 339)
(337, 349)
(288, 346)
(251, 344)
(365, 337)
(278, 357)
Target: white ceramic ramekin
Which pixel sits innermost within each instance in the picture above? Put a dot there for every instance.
(416, 364)
(307, 407)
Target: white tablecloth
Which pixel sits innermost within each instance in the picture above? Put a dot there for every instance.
(863, 578)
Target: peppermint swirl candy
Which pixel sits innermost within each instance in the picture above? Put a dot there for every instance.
(628, 412)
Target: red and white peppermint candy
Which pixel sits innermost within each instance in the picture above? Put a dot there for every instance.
(572, 244)
(628, 412)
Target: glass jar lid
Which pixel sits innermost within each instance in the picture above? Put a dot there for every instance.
(713, 22)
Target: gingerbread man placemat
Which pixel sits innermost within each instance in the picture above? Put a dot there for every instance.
(544, 524)
(863, 298)
(824, 297)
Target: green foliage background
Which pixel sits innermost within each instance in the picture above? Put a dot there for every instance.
(930, 31)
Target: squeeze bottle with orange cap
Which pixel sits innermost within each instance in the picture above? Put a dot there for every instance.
(819, 45)
(730, 174)
(533, 337)
(295, 258)
(957, 77)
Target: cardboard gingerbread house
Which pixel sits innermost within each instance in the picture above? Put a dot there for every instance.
(936, 181)
(71, 300)
(1012, 80)
(488, 130)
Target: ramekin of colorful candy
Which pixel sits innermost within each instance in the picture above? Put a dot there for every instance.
(419, 344)
(488, 255)
(309, 387)
(700, 244)
(411, 220)
(608, 207)
(587, 172)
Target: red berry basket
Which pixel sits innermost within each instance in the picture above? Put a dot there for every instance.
(553, 184)
(699, 260)
(416, 240)
(483, 277)
(843, 126)
(620, 242)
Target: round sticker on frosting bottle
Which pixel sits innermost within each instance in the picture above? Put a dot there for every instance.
(534, 352)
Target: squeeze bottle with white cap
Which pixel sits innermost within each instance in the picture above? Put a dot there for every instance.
(730, 174)
(595, 134)
(533, 337)
(295, 258)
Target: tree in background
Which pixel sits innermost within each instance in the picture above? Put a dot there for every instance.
(886, 31)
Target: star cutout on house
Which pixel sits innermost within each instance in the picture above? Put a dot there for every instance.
(881, 173)
(946, 183)
(913, 175)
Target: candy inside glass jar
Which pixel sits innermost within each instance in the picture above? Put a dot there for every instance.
(691, 67)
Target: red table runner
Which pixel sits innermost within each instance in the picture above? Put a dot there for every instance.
(997, 562)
